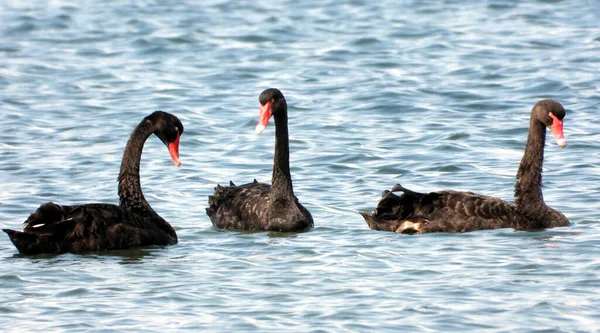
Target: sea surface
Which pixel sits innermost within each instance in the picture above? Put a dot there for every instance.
(429, 94)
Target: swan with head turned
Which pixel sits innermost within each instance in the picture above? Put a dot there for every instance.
(257, 206)
(54, 228)
(454, 211)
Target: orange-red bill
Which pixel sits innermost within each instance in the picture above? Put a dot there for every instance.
(265, 115)
(174, 151)
(557, 131)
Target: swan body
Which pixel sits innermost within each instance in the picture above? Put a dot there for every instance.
(257, 206)
(96, 227)
(453, 211)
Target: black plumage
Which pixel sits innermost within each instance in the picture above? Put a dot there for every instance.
(261, 207)
(453, 211)
(95, 227)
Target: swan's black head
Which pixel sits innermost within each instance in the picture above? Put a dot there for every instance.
(272, 103)
(168, 128)
(551, 113)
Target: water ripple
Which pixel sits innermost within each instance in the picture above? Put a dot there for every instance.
(431, 95)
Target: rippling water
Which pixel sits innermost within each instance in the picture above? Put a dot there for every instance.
(430, 94)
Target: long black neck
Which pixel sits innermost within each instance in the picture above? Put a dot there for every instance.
(130, 190)
(528, 190)
(281, 188)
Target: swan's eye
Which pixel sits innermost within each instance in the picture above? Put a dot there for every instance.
(176, 129)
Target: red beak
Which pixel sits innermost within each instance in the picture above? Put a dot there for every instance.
(557, 131)
(265, 115)
(174, 151)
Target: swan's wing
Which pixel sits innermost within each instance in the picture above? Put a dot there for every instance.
(51, 217)
(443, 211)
(469, 204)
(239, 207)
(54, 228)
(47, 214)
(87, 228)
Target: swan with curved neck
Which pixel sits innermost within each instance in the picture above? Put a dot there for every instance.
(95, 227)
(257, 206)
(453, 211)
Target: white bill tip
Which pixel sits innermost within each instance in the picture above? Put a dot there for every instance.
(259, 128)
(561, 142)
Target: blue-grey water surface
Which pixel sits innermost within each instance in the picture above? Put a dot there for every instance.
(430, 94)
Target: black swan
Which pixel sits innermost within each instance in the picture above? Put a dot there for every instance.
(257, 206)
(452, 211)
(98, 227)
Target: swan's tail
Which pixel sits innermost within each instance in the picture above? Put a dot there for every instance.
(27, 243)
(375, 223)
(395, 212)
(36, 235)
(393, 225)
(214, 201)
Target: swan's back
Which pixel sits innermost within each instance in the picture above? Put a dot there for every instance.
(239, 207)
(89, 228)
(98, 227)
(443, 211)
(249, 207)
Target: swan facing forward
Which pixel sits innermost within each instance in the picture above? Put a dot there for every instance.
(94, 227)
(453, 211)
(257, 206)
